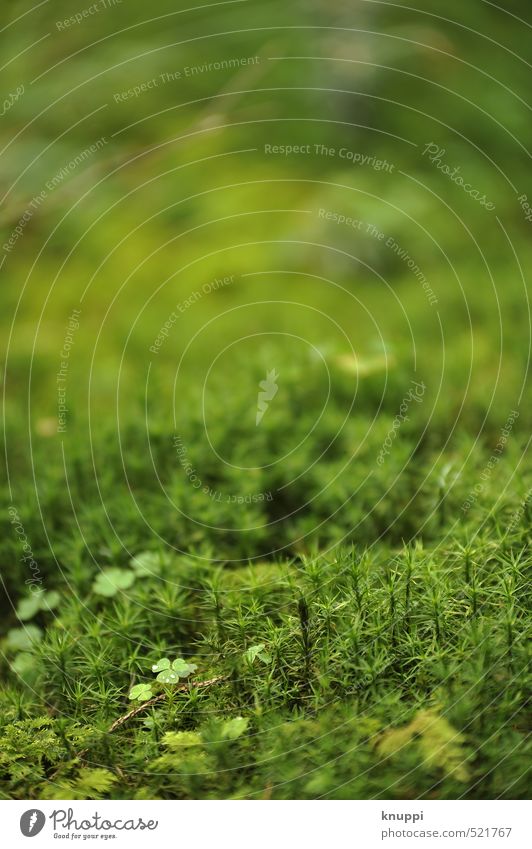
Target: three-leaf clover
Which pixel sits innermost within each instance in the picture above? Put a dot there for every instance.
(167, 672)
(110, 581)
(171, 672)
(141, 692)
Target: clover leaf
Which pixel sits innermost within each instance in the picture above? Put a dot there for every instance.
(168, 676)
(28, 607)
(50, 600)
(171, 672)
(161, 664)
(148, 563)
(31, 605)
(182, 668)
(141, 692)
(20, 639)
(26, 666)
(257, 651)
(110, 581)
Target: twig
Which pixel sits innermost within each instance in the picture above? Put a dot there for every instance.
(127, 716)
(161, 697)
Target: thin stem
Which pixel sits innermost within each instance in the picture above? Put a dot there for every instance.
(160, 698)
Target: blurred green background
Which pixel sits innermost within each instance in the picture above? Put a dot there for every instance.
(182, 191)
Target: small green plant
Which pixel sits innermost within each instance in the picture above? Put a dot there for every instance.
(19, 642)
(110, 581)
(141, 692)
(22, 639)
(29, 606)
(148, 563)
(259, 652)
(167, 672)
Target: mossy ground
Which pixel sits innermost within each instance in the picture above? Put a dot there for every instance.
(390, 590)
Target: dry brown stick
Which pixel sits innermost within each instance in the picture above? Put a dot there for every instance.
(161, 697)
(122, 719)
